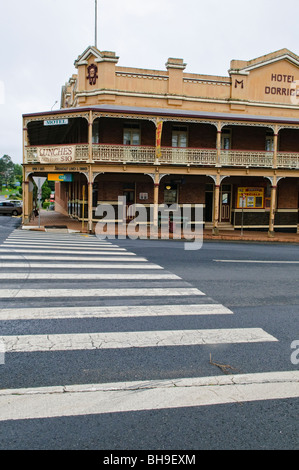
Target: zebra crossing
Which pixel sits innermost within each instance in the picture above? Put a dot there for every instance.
(67, 277)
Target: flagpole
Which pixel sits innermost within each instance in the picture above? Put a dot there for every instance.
(96, 24)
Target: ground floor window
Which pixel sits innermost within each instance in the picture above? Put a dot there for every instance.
(170, 194)
(250, 198)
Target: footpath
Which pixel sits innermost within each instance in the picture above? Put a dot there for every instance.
(54, 221)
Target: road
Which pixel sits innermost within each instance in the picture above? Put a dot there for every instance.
(148, 346)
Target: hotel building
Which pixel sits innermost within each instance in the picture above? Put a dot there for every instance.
(230, 143)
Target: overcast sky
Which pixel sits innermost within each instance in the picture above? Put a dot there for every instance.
(40, 40)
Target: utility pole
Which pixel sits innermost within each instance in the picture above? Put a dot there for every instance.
(96, 24)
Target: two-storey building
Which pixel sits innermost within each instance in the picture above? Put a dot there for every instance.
(229, 143)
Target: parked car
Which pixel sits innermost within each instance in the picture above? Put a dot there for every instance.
(10, 208)
(17, 202)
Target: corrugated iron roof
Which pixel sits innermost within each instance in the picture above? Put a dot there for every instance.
(170, 113)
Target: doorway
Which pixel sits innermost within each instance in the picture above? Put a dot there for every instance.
(129, 195)
(209, 202)
(225, 213)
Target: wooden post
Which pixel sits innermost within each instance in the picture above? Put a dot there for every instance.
(216, 206)
(275, 147)
(272, 207)
(218, 144)
(90, 124)
(26, 214)
(156, 198)
(90, 186)
(83, 205)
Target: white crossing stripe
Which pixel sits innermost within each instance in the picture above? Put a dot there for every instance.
(124, 397)
(67, 252)
(93, 276)
(113, 311)
(71, 258)
(63, 247)
(98, 265)
(130, 292)
(31, 242)
(57, 242)
(132, 339)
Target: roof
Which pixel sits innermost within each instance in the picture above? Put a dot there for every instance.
(166, 112)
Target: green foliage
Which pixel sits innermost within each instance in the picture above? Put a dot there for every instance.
(6, 171)
(10, 173)
(46, 191)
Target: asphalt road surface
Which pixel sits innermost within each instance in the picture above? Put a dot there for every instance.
(141, 345)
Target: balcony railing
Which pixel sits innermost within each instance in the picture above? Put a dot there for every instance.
(123, 153)
(246, 158)
(288, 160)
(104, 153)
(144, 154)
(188, 156)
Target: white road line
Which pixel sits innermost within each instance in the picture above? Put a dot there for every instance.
(72, 258)
(98, 265)
(62, 247)
(65, 252)
(37, 234)
(113, 312)
(253, 261)
(132, 292)
(94, 241)
(90, 276)
(132, 339)
(124, 397)
(58, 242)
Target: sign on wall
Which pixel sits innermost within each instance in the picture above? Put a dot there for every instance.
(55, 122)
(64, 178)
(250, 198)
(61, 154)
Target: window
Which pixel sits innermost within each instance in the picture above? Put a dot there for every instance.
(96, 132)
(132, 134)
(269, 142)
(226, 139)
(179, 136)
(170, 194)
(251, 198)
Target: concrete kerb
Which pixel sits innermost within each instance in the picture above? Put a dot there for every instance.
(55, 222)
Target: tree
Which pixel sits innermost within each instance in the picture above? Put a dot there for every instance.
(6, 170)
(18, 172)
(46, 191)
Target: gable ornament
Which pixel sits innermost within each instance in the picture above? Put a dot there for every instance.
(92, 74)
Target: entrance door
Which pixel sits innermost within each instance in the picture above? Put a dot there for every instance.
(226, 203)
(129, 195)
(209, 205)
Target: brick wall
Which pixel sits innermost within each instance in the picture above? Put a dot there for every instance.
(61, 197)
(289, 140)
(111, 131)
(248, 138)
(287, 194)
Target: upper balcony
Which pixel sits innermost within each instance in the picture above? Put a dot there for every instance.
(122, 154)
(125, 139)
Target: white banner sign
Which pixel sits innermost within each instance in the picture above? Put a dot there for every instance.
(61, 154)
(55, 122)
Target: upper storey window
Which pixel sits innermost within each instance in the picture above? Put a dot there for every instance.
(226, 139)
(269, 142)
(179, 136)
(132, 135)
